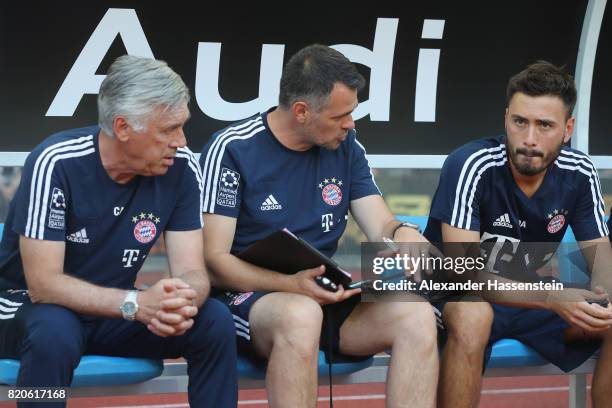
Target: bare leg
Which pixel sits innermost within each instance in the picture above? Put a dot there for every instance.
(602, 378)
(409, 330)
(285, 328)
(468, 325)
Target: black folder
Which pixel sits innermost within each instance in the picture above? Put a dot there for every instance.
(285, 252)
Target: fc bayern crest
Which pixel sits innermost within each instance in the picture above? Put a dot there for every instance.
(241, 298)
(557, 221)
(145, 229)
(331, 191)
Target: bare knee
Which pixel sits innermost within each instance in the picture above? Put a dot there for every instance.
(468, 324)
(413, 322)
(287, 321)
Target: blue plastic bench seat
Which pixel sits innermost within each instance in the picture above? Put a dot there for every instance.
(510, 353)
(256, 370)
(95, 371)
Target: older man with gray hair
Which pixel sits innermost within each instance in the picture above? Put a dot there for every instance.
(91, 204)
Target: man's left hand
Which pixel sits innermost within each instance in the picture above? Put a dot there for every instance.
(414, 245)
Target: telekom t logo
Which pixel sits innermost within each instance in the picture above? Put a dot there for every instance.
(326, 222)
(130, 256)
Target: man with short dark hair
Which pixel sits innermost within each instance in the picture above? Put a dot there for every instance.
(523, 187)
(91, 204)
(301, 166)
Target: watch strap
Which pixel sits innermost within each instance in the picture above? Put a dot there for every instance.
(407, 225)
(130, 297)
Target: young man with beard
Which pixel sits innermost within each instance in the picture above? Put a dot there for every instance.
(522, 187)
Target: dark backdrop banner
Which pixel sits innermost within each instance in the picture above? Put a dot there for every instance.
(436, 70)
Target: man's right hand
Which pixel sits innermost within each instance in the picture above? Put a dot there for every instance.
(306, 285)
(167, 308)
(575, 307)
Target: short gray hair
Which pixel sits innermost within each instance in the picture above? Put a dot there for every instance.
(134, 87)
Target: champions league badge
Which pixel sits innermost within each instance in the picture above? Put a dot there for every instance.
(57, 209)
(331, 191)
(228, 187)
(58, 200)
(229, 178)
(145, 229)
(556, 221)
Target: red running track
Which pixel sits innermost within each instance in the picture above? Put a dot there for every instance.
(523, 392)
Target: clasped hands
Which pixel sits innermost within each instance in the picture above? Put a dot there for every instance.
(579, 307)
(168, 307)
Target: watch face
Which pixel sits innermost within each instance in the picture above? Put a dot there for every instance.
(129, 308)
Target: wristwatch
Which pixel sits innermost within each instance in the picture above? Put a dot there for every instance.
(129, 307)
(405, 224)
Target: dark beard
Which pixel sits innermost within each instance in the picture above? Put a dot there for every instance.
(527, 169)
